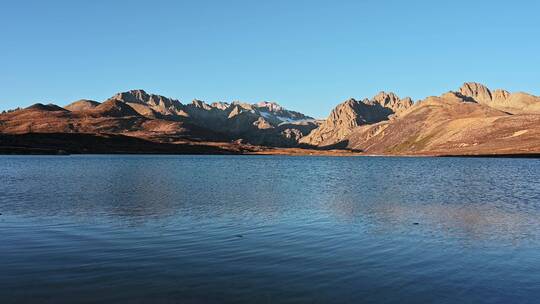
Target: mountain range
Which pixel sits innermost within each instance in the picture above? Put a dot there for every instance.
(137, 113)
(471, 120)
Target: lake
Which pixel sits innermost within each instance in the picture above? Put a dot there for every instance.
(269, 229)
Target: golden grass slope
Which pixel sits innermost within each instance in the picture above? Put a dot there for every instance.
(450, 125)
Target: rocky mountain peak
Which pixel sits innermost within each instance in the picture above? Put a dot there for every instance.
(384, 97)
(261, 123)
(269, 106)
(201, 104)
(235, 111)
(140, 96)
(243, 105)
(479, 92)
(349, 102)
(344, 118)
(392, 101)
(500, 95)
(221, 105)
(345, 112)
(503, 100)
(146, 104)
(353, 113)
(135, 96)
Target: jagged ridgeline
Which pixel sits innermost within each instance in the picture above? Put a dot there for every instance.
(141, 114)
(472, 119)
(353, 113)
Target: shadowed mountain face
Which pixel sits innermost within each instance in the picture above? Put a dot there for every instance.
(265, 123)
(472, 120)
(353, 113)
(514, 103)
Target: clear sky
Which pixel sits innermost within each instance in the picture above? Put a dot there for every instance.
(306, 55)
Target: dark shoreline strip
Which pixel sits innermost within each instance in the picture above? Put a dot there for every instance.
(506, 155)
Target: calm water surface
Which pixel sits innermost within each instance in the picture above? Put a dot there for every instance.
(269, 229)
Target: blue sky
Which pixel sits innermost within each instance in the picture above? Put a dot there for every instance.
(306, 55)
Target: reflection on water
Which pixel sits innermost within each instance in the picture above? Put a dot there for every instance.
(269, 229)
(472, 223)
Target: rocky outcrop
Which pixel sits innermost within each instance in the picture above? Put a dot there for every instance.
(275, 112)
(514, 103)
(353, 113)
(476, 91)
(150, 104)
(393, 102)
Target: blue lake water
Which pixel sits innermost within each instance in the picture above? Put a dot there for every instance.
(268, 229)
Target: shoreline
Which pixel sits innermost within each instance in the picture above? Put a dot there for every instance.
(17, 151)
(63, 144)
